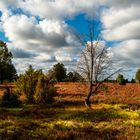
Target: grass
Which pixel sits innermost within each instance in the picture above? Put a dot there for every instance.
(68, 119)
(105, 121)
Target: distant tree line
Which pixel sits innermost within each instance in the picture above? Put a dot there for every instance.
(8, 72)
(60, 74)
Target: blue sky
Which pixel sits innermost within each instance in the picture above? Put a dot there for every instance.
(2, 37)
(40, 32)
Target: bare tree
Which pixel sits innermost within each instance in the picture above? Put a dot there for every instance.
(94, 64)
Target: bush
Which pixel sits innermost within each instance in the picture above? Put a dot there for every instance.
(137, 76)
(37, 87)
(74, 77)
(51, 92)
(9, 99)
(45, 90)
(26, 84)
(133, 80)
(120, 79)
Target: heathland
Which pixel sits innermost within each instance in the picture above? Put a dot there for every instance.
(115, 115)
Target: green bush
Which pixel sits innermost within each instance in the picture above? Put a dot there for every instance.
(26, 83)
(45, 90)
(37, 87)
(120, 79)
(51, 92)
(137, 76)
(9, 99)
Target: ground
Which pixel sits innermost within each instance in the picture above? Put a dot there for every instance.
(115, 115)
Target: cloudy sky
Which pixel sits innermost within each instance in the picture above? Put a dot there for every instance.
(40, 32)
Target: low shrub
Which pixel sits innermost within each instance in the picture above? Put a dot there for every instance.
(9, 99)
(120, 79)
(45, 91)
(51, 92)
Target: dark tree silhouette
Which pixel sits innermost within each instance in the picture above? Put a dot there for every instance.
(59, 72)
(7, 69)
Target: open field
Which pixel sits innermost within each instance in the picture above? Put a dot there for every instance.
(109, 93)
(115, 115)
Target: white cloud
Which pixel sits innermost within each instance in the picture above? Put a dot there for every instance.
(4, 4)
(45, 35)
(39, 41)
(127, 31)
(50, 39)
(127, 54)
(120, 3)
(54, 9)
(113, 17)
(121, 20)
(43, 57)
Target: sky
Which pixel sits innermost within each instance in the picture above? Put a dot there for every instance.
(41, 32)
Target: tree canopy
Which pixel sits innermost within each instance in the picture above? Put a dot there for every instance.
(74, 77)
(7, 69)
(120, 79)
(59, 72)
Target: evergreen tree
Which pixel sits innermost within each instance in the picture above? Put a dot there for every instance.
(59, 72)
(120, 79)
(26, 83)
(7, 69)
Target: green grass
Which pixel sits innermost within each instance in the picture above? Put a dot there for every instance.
(104, 121)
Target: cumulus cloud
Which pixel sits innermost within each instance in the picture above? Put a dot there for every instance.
(43, 41)
(38, 34)
(31, 34)
(127, 31)
(20, 53)
(127, 53)
(119, 3)
(4, 4)
(54, 9)
(48, 39)
(113, 17)
(121, 20)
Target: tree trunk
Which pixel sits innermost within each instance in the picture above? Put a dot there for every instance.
(87, 100)
(92, 90)
(1, 77)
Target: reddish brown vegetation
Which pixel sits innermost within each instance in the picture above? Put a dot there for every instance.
(109, 92)
(3, 87)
